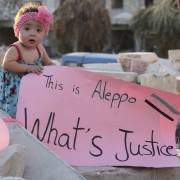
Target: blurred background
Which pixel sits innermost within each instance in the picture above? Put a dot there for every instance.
(106, 33)
(108, 26)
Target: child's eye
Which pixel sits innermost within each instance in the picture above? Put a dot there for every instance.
(38, 30)
(26, 29)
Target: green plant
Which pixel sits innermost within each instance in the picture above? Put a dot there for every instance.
(161, 20)
(82, 25)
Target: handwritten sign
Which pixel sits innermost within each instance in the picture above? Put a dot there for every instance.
(93, 120)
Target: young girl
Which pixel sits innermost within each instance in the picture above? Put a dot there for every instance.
(27, 55)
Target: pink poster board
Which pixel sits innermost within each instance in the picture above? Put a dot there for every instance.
(90, 119)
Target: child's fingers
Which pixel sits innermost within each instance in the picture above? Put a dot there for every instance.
(32, 70)
(38, 70)
(35, 69)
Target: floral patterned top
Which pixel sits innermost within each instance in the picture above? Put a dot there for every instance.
(10, 85)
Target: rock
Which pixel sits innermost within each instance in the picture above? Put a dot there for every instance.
(129, 173)
(4, 115)
(171, 66)
(174, 55)
(178, 135)
(178, 82)
(40, 162)
(126, 76)
(150, 57)
(2, 53)
(11, 178)
(11, 161)
(133, 65)
(163, 81)
(104, 66)
(129, 55)
(56, 62)
(154, 67)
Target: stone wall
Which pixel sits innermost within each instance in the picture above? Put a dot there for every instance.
(9, 8)
(129, 6)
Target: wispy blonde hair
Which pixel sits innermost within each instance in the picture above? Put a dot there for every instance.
(30, 7)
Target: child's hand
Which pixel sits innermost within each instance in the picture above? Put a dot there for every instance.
(34, 69)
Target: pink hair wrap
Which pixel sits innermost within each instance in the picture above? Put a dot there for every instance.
(43, 16)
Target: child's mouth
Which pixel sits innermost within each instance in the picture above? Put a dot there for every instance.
(32, 40)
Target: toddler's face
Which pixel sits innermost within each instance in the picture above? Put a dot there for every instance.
(31, 33)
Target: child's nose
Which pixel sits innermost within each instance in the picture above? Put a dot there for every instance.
(32, 33)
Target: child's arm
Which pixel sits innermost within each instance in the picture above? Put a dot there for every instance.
(10, 63)
(47, 61)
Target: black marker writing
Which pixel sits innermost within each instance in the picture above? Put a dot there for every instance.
(116, 97)
(67, 140)
(96, 155)
(76, 89)
(51, 84)
(77, 128)
(150, 148)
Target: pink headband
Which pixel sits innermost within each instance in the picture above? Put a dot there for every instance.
(43, 16)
